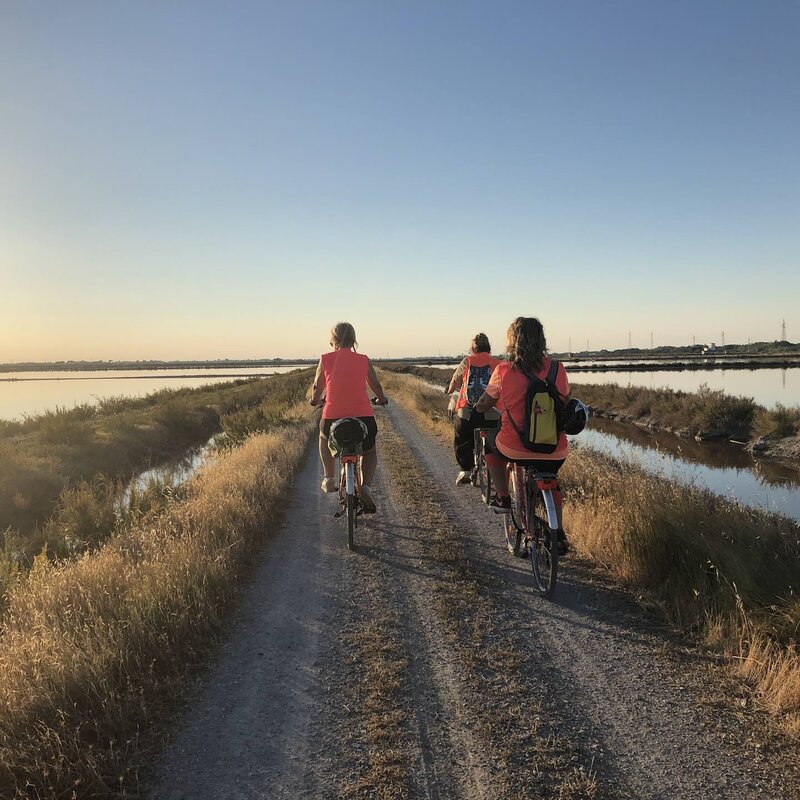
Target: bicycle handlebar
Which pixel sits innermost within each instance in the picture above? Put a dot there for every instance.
(373, 400)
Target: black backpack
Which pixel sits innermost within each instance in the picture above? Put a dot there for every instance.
(544, 413)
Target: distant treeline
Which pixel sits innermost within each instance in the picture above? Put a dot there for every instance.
(669, 351)
(772, 349)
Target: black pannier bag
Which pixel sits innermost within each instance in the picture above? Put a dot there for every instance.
(346, 436)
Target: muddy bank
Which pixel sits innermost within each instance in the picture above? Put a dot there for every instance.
(785, 448)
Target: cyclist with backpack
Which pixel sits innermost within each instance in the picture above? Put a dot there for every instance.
(533, 391)
(471, 378)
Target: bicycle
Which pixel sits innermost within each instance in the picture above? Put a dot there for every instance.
(480, 476)
(533, 523)
(345, 439)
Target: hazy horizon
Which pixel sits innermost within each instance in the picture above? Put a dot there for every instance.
(191, 181)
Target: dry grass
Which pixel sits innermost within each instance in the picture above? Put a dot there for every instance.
(91, 649)
(726, 573)
(723, 572)
(382, 669)
(46, 454)
(428, 406)
(61, 484)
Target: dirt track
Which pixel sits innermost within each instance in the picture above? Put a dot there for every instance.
(408, 670)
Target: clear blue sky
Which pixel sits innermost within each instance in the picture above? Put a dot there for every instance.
(229, 179)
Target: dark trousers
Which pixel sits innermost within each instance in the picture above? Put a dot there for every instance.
(464, 437)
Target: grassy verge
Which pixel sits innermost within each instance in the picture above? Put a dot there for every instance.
(61, 473)
(92, 649)
(728, 575)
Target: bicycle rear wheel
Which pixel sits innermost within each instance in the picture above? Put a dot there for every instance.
(483, 478)
(544, 556)
(351, 520)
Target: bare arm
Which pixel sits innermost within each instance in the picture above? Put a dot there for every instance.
(485, 402)
(457, 379)
(375, 385)
(319, 386)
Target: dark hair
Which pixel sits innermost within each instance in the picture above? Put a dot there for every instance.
(480, 343)
(525, 343)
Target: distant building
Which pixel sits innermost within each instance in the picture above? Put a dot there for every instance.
(711, 348)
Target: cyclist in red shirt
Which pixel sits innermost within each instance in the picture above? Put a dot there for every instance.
(471, 378)
(526, 346)
(342, 378)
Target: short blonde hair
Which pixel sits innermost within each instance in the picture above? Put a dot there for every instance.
(343, 334)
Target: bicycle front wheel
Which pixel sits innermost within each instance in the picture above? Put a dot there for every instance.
(512, 523)
(544, 556)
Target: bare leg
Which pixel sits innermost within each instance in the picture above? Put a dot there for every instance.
(497, 469)
(559, 508)
(327, 459)
(369, 462)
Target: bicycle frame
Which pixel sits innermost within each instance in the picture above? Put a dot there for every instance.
(527, 486)
(349, 482)
(480, 476)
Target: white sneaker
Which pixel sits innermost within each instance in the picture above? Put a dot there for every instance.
(463, 477)
(328, 485)
(367, 503)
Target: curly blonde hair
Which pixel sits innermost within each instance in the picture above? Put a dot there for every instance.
(525, 343)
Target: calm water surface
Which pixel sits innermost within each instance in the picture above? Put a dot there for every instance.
(766, 386)
(29, 393)
(725, 469)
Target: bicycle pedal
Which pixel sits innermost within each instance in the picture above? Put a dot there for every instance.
(338, 514)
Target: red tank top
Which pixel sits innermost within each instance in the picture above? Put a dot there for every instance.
(346, 385)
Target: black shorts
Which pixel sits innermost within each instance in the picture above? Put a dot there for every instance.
(372, 430)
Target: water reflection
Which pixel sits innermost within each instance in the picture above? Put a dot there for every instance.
(30, 393)
(174, 472)
(725, 469)
(766, 386)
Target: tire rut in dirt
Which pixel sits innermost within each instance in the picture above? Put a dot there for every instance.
(450, 757)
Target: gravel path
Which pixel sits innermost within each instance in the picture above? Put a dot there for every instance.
(284, 712)
(620, 686)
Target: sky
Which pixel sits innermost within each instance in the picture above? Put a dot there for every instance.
(212, 180)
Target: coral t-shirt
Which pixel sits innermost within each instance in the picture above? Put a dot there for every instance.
(345, 373)
(510, 385)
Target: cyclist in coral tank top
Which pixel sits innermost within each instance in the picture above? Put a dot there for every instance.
(342, 378)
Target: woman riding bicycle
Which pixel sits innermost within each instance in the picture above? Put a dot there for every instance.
(526, 347)
(471, 378)
(342, 378)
